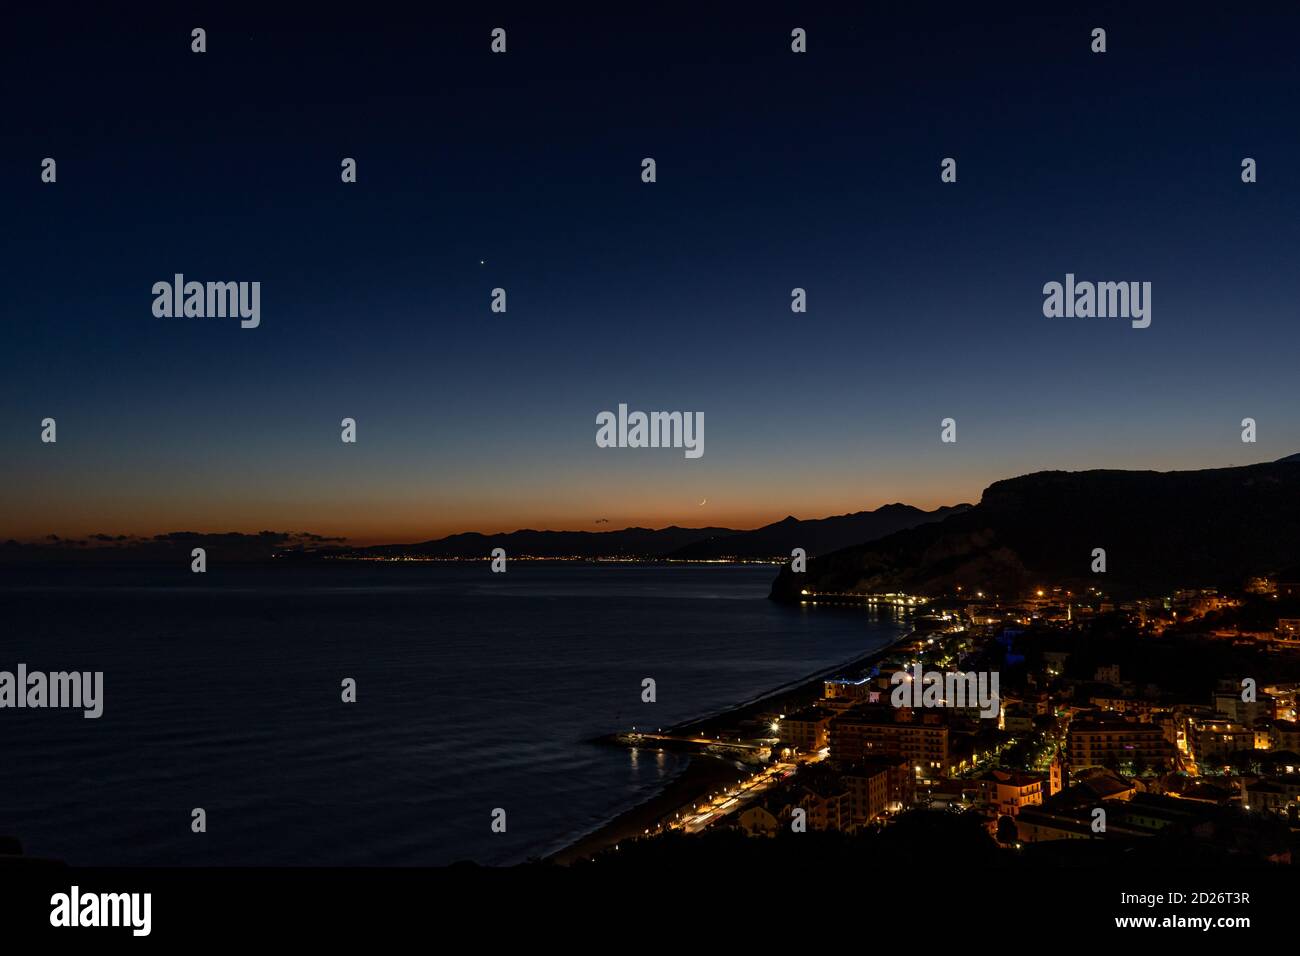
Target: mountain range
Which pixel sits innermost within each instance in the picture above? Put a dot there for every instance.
(771, 542)
(1159, 530)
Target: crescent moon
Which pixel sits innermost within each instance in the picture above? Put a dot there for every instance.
(704, 502)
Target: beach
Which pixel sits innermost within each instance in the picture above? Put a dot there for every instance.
(706, 773)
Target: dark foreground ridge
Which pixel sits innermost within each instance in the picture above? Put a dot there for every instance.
(1159, 530)
(816, 536)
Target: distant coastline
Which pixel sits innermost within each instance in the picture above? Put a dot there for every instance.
(769, 544)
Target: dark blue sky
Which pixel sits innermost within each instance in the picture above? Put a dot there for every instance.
(775, 170)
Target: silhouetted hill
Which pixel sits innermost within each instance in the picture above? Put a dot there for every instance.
(815, 536)
(1160, 530)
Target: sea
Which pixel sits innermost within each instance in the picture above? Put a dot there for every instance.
(475, 692)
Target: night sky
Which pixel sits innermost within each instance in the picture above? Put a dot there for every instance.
(775, 170)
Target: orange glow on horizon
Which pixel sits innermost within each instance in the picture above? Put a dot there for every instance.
(399, 525)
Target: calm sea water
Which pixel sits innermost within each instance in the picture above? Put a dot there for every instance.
(475, 691)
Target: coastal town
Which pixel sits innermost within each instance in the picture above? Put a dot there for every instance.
(1170, 719)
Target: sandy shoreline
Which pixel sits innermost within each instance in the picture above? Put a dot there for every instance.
(705, 773)
(702, 774)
